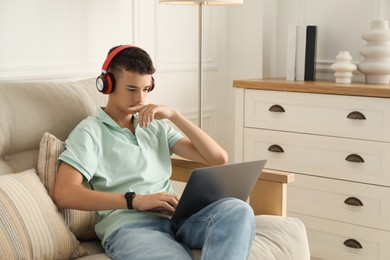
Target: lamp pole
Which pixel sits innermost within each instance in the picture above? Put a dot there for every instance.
(201, 4)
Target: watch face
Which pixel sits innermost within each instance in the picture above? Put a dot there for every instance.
(129, 195)
(99, 84)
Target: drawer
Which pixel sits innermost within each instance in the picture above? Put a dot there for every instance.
(332, 240)
(355, 203)
(319, 114)
(340, 158)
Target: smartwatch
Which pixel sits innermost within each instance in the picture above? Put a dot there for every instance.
(129, 196)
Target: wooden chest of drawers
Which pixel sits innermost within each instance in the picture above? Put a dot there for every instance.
(336, 139)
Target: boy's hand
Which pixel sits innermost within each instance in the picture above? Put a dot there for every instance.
(147, 113)
(163, 200)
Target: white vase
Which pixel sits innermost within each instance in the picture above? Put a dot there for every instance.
(343, 67)
(376, 63)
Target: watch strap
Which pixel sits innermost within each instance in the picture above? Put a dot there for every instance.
(129, 196)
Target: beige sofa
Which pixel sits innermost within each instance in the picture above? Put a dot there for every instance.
(35, 117)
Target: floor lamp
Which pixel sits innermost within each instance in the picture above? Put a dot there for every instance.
(200, 4)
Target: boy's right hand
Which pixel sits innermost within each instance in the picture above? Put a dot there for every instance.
(163, 200)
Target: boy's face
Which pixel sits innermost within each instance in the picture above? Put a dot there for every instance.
(131, 89)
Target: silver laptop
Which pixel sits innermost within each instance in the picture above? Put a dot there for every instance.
(209, 184)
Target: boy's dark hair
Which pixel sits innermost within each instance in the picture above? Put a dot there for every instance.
(131, 59)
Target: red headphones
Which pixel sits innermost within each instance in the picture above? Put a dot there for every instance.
(105, 83)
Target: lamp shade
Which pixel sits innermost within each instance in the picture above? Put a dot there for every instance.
(205, 2)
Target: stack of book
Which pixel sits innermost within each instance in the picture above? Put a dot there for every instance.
(301, 52)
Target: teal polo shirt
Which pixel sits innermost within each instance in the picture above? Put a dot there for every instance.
(113, 159)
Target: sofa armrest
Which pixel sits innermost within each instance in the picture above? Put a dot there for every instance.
(268, 196)
(182, 168)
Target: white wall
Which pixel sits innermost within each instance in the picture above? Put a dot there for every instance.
(340, 26)
(68, 40)
(47, 39)
(245, 52)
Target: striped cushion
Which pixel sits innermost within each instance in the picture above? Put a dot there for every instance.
(81, 223)
(30, 225)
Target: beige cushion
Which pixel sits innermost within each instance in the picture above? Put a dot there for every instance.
(279, 238)
(29, 109)
(30, 225)
(81, 223)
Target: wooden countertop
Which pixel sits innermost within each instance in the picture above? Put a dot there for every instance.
(317, 86)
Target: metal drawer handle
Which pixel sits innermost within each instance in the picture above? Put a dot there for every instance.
(356, 115)
(352, 201)
(352, 243)
(275, 149)
(276, 108)
(355, 158)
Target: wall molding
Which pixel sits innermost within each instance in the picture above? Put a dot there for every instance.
(210, 61)
(135, 11)
(324, 71)
(209, 118)
(378, 9)
(50, 72)
(299, 12)
(302, 12)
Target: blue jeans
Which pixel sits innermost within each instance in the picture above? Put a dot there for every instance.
(223, 230)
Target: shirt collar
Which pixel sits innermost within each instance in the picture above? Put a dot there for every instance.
(103, 117)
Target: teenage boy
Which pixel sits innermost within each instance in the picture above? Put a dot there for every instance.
(124, 153)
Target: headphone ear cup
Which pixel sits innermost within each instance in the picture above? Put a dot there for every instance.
(105, 83)
(152, 85)
(110, 83)
(101, 83)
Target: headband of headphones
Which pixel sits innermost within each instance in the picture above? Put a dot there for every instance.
(112, 55)
(105, 83)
